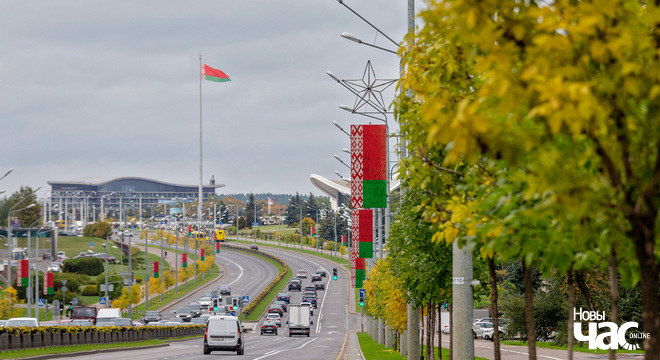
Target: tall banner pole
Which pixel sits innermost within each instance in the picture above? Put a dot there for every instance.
(199, 204)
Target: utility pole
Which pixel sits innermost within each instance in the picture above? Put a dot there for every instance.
(462, 303)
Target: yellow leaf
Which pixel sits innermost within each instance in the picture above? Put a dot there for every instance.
(472, 17)
(519, 31)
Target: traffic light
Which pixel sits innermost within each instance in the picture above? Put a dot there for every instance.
(334, 273)
(362, 301)
(214, 305)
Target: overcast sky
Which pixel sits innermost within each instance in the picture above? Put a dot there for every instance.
(111, 88)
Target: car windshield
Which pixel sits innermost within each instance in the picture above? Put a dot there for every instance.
(87, 312)
(21, 323)
(205, 299)
(183, 311)
(153, 313)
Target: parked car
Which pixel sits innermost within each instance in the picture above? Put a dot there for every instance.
(301, 274)
(225, 290)
(102, 256)
(276, 318)
(446, 329)
(152, 316)
(268, 327)
(254, 247)
(283, 297)
(479, 327)
(295, 284)
(321, 272)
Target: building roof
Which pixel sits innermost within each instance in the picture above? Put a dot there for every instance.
(98, 181)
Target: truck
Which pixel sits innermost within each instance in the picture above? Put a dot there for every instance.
(299, 321)
(84, 312)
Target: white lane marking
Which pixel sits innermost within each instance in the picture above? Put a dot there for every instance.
(318, 323)
(239, 267)
(274, 352)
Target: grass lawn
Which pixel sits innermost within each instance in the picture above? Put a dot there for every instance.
(583, 348)
(18, 354)
(374, 351)
(285, 229)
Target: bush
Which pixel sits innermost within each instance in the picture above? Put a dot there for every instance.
(87, 265)
(90, 290)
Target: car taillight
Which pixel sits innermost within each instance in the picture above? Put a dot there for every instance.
(206, 333)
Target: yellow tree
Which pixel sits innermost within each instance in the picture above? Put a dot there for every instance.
(8, 298)
(565, 94)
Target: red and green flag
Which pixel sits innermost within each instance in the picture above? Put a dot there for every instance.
(217, 247)
(201, 254)
(211, 74)
(184, 260)
(368, 166)
(156, 270)
(48, 283)
(23, 273)
(361, 245)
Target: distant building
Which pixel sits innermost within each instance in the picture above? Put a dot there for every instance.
(87, 199)
(339, 191)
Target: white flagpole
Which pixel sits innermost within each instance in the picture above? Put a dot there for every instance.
(199, 205)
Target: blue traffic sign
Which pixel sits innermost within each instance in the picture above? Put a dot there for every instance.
(42, 302)
(255, 224)
(246, 299)
(91, 244)
(363, 292)
(102, 301)
(232, 314)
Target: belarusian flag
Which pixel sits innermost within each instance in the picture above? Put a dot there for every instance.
(201, 254)
(360, 272)
(365, 234)
(184, 260)
(156, 270)
(217, 247)
(212, 74)
(23, 273)
(368, 166)
(48, 283)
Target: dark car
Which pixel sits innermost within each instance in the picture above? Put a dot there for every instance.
(316, 278)
(152, 316)
(184, 314)
(283, 297)
(295, 285)
(321, 272)
(102, 256)
(311, 299)
(225, 290)
(268, 327)
(311, 287)
(283, 304)
(254, 247)
(319, 285)
(276, 309)
(195, 309)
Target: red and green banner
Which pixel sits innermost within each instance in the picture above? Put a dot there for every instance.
(365, 233)
(184, 260)
(368, 166)
(360, 272)
(201, 254)
(217, 247)
(211, 74)
(23, 273)
(362, 244)
(48, 283)
(156, 270)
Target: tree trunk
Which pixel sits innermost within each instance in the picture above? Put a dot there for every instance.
(396, 340)
(494, 309)
(614, 293)
(584, 290)
(643, 236)
(439, 314)
(571, 309)
(529, 311)
(421, 336)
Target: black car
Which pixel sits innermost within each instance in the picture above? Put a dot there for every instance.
(268, 327)
(311, 287)
(295, 285)
(283, 297)
(316, 278)
(319, 285)
(152, 316)
(283, 304)
(321, 272)
(225, 290)
(254, 247)
(276, 309)
(184, 314)
(195, 309)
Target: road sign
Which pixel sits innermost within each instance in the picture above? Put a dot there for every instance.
(75, 301)
(110, 287)
(42, 302)
(255, 224)
(64, 282)
(102, 301)
(91, 244)
(246, 299)
(363, 292)
(232, 314)
(64, 289)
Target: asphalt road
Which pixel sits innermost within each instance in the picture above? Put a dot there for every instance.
(247, 275)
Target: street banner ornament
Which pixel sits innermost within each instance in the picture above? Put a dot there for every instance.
(156, 270)
(48, 283)
(368, 166)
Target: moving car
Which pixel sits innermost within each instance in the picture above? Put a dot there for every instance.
(319, 285)
(223, 333)
(316, 277)
(321, 272)
(184, 314)
(254, 247)
(310, 299)
(283, 297)
(268, 327)
(276, 309)
(22, 321)
(225, 290)
(283, 304)
(309, 305)
(204, 302)
(195, 309)
(310, 288)
(479, 327)
(152, 316)
(295, 284)
(277, 319)
(301, 274)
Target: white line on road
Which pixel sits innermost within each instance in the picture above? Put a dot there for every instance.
(239, 267)
(271, 353)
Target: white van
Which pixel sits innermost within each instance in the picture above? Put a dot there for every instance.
(223, 333)
(105, 315)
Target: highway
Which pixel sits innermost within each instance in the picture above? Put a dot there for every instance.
(247, 275)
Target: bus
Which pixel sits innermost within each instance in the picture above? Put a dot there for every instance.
(60, 224)
(220, 235)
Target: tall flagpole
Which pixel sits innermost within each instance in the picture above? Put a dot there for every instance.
(199, 205)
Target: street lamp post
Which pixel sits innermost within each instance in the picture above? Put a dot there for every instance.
(106, 270)
(10, 241)
(279, 227)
